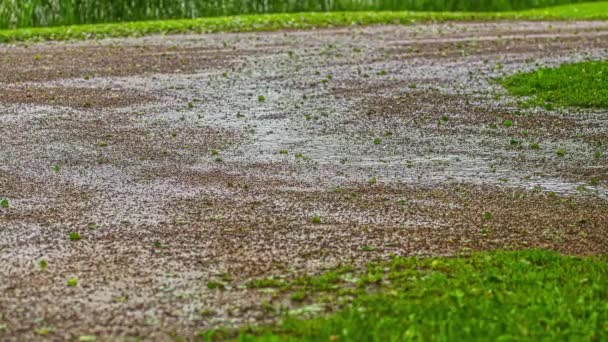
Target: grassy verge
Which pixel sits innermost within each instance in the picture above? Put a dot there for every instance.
(41, 13)
(525, 295)
(582, 84)
(585, 11)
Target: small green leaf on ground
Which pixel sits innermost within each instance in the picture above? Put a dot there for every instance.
(44, 331)
(75, 236)
(72, 282)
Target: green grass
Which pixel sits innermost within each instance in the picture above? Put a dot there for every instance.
(582, 84)
(492, 296)
(39, 13)
(243, 23)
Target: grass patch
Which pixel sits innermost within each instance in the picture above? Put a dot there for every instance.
(268, 22)
(29, 13)
(265, 283)
(583, 84)
(521, 295)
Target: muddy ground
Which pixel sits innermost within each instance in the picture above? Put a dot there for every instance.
(162, 154)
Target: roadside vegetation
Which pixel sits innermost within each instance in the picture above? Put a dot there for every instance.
(38, 13)
(582, 84)
(519, 295)
(268, 22)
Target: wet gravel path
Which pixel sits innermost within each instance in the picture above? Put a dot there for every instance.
(190, 159)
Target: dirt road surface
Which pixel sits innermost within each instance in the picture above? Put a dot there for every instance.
(195, 159)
